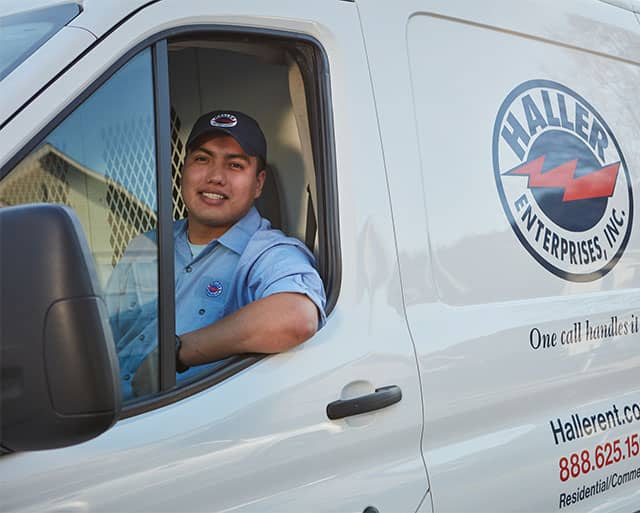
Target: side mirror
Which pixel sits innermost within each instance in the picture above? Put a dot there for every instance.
(59, 371)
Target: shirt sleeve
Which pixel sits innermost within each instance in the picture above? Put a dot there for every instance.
(287, 268)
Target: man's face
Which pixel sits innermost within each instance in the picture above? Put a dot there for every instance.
(219, 186)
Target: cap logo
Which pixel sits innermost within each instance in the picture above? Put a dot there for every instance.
(563, 180)
(214, 289)
(224, 120)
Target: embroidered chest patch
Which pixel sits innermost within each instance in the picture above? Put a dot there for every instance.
(214, 289)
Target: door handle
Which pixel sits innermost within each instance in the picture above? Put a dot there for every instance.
(381, 398)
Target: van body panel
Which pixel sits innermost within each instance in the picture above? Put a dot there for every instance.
(464, 275)
(508, 350)
(98, 20)
(261, 440)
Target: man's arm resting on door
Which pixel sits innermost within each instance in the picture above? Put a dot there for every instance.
(271, 324)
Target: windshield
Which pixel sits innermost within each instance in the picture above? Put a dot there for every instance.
(23, 33)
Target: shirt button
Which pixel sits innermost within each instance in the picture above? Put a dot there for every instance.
(201, 311)
(127, 377)
(132, 304)
(141, 337)
(188, 269)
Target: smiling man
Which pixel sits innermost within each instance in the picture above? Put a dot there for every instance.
(241, 287)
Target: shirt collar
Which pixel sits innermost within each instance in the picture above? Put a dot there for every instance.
(235, 238)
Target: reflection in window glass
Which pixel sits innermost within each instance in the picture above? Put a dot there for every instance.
(23, 33)
(100, 161)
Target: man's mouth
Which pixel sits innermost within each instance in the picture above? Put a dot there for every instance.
(213, 195)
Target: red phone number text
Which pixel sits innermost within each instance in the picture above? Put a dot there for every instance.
(583, 462)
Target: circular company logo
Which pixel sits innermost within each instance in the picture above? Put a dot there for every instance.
(563, 180)
(224, 120)
(214, 289)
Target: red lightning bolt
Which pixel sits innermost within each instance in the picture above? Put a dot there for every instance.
(597, 184)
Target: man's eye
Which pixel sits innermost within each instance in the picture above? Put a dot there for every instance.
(236, 165)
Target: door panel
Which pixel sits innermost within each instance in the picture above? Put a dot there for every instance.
(261, 440)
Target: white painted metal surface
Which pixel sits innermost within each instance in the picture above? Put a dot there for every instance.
(99, 17)
(474, 296)
(429, 260)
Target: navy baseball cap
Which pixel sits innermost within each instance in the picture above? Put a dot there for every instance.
(238, 125)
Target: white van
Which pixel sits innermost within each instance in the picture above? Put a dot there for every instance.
(468, 176)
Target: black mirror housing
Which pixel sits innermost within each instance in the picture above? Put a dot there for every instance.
(59, 371)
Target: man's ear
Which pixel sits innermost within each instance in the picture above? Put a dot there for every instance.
(260, 178)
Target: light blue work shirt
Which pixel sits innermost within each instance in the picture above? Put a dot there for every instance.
(250, 261)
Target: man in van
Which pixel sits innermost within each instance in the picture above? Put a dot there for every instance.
(240, 286)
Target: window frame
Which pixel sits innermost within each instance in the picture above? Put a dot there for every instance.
(314, 66)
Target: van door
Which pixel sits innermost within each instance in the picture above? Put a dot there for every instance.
(258, 439)
(522, 287)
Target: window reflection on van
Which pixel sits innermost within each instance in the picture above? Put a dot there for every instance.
(24, 32)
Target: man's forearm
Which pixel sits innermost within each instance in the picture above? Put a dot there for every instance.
(269, 325)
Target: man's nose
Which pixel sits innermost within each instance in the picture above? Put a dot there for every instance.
(215, 173)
